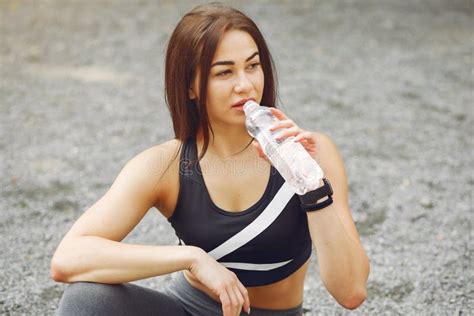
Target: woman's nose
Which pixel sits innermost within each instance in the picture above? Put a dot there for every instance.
(243, 84)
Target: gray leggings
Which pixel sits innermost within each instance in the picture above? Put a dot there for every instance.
(178, 297)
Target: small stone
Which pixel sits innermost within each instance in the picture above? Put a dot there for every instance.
(426, 202)
(406, 183)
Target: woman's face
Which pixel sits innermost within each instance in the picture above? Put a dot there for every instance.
(235, 76)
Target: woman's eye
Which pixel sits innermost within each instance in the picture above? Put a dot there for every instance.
(223, 73)
(254, 65)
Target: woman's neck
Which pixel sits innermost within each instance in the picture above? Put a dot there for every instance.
(226, 145)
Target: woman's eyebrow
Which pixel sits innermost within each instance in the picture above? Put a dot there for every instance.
(229, 62)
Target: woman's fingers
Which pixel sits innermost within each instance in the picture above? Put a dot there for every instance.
(278, 114)
(233, 301)
(303, 137)
(233, 296)
(225, 302)
(259, 149)
(245, 295)
(240, 299)
(289, 128)
(223, 283)
(293, 131)
(234, 306)
(282, 124)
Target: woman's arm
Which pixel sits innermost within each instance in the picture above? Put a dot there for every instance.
(92, 251)
(97, 259)
(344, 266)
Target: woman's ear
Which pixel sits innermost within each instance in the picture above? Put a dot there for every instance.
(191, 93)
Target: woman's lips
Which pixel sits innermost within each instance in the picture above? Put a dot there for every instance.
(242, 102)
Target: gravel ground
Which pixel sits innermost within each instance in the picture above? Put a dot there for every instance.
(81, 92)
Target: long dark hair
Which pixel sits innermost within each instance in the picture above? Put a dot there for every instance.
(192, 46)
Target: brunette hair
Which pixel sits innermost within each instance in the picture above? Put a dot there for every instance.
(192, 46)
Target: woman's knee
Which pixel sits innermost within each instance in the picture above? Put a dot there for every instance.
(87, 298)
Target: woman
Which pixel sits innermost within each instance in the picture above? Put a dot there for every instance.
(245, 237)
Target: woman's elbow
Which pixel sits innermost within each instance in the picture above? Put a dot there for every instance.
(354, 300)
(57, 271)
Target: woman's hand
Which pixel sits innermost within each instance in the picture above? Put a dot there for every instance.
(222, 282)
(305, 138)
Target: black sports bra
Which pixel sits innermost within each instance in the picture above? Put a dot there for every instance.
(263, 244)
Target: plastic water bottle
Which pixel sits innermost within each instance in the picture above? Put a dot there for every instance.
(290, 158)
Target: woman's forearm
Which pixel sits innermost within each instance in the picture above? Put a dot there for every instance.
(344, 266)
(96, 259)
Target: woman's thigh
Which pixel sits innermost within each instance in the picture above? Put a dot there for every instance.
(87, 298)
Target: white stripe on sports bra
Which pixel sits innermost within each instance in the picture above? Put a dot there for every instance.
(255, 266)
(251, 266)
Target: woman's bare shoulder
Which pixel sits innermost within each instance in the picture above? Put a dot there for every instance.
(167, 146)
(159, 158)
(150, 166)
